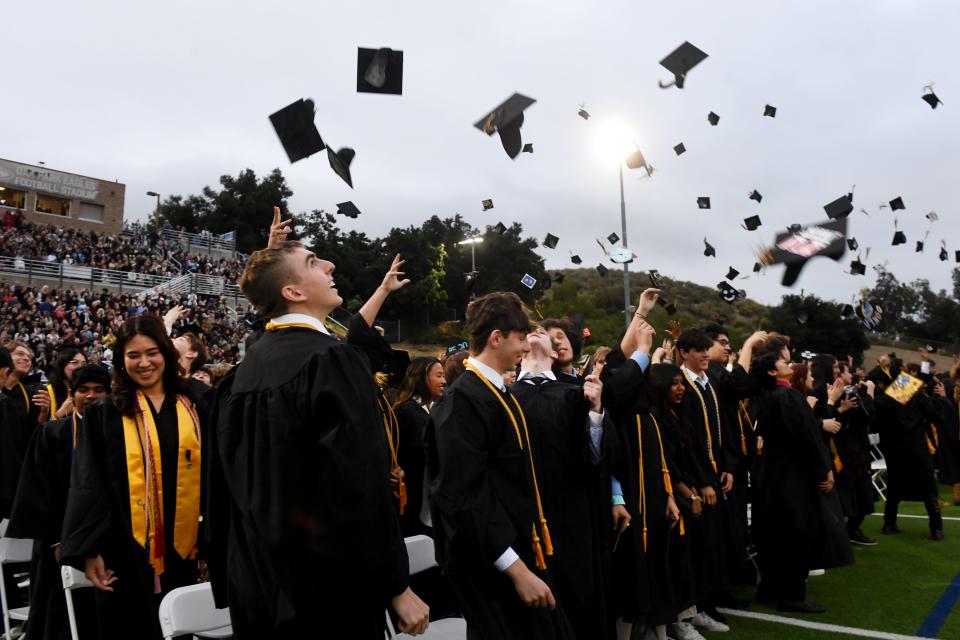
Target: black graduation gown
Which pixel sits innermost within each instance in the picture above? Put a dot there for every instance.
(97, 520)
(709, 533)
(853, 483)
(482, 502)
(38, 514)
(643, 581)
(32, 385)
(576, 501)
(303, 534)
(15, 431)
(412, 423)
(794, 523)
(949, 449)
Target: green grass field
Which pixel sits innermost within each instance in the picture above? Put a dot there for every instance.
(892, 587)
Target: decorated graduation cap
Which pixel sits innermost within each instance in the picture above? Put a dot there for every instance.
(679, 62)
(756, 195)
(839, 208)
(729, 293)
(713, 118)
(770, 111)
(930, 97)
(379, 71)
(703, 202)
(618, 255)
(751, 223)
(487, 204)
(506, 119)
(708, 249)
(635, 160)
(550, 241)
(870, 312)
(613, 238)
(348, 209)
(297, 132)
(340, 163)
(528, 281)
(794, 248)
(679, 149)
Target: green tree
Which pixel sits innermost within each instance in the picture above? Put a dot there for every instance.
(816, 325)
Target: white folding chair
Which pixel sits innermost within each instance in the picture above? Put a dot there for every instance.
(72, 579)
(421, 555)
(878, 467)
(12, 550)
(192, 610)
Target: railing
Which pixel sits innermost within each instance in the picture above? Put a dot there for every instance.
(205, 241)
(95, 277)
(180, 284)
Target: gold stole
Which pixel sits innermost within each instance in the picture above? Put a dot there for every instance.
(53, 401)
(145, 480)
(836, 455)
(26, 398)
(934, 444)
(393, 442)
(547, 542)
(706, 419)
(741, 412)
(74, 418)
(667, 482)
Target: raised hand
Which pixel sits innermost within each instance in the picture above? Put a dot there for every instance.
(592, 390)
(645, 335)
(279, 229)
(391, 281)
(647, 301)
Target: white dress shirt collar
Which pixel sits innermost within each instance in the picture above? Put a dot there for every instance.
(491, 374)
(527, 375)
(702, 378)
(301, 318)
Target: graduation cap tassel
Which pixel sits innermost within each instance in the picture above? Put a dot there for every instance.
(547, 542)
(643, 493)
(537, 550)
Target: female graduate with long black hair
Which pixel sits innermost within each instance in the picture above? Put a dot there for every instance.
(133, 510)
(60, 387)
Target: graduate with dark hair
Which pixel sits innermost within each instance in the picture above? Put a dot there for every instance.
(569, 340)
(40, 504)
(303, 534)
(492, 535)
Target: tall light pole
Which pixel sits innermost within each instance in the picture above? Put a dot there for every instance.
(626, 268)
(156, 212)
(473, 242)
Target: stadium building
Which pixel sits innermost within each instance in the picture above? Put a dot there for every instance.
(46, 196)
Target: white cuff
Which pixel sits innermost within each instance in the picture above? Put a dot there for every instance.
(506, 559)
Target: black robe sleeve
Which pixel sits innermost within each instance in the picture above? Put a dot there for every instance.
(15, 430)
(44, 481)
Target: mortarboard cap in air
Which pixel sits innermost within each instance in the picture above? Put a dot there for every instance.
(932, 216)
(846, 311)
(506, 120)
(348, 209)
(930, 97)
(602, 270)
(795, 248)
(899, 237)
(528, 281)
(613, 238)
(770, 111)
(576, 259)
(896, 204)
(956, 256)
(708, 249)
(839, 208)
(755, 195)
(757, 267)
(680, 149)
(919, 248)
(550, 241)
(751, 223)
(732, 273)
(500, 228)
(558, 277)
(857, 268)
(944, 256)
(340, 163)
(728, 293)
(546, 283)
(680, 61)
(379, 71)
(703, 202)
(713, 118)
(583, 113)
(487, 204)
(297, 132)
(528, 148)
(852, 244)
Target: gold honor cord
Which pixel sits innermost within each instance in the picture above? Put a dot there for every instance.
(26, 398)
(643, 494)
(933, 445)
(53, 401)
(276, 326)
(667, 482)
(836, 456)
(392, 427)
(547, 542)
(74, 418)
(741, 412)
(706, 419)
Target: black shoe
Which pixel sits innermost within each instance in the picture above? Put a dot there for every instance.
(890, 528)
(936, 535)
(800, 606)
(858, 537)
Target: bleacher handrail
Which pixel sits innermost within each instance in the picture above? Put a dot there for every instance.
(94, 276)
(199, 240)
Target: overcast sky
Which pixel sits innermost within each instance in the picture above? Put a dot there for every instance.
(168, 97)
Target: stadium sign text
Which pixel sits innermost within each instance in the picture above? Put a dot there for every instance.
(39, 179)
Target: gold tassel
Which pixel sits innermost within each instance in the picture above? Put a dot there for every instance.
(547, 542)
(403, 496)
(644, 539)
(743, 444)
(836, 456)
(667, 484)
(683, 530)
(537, 551)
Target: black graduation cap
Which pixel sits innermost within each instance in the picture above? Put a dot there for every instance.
(770, 111)
(897, 203)
(546, 283)
(732, 273)
(613, 238)
(713, 118)
(528, 148)
(656, 280)
(550, 241)
(755, 195)
(757, 266)
(506, 120)
(380, 71)
(919, 248)
(703, 202)
(348, 209)
(500, 228)
(932, 216)
(751, 223)
(899, 237)
(528, 281)
(930, 97)
(857, 268)
(583, 113)
(680, 61)
(795, 248)
(340, 163)
(680, 149)
(794, 228)
(846, 311)
(190, 327)
(670, 308)
(576, 259)
(956, 256)
(943, 251)
(602, 270)
(487, 204)
(839, 208)
(708, 249)
(802, 316)
(852, 244)
(558, 277)
(296, 130)
(728, 293)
